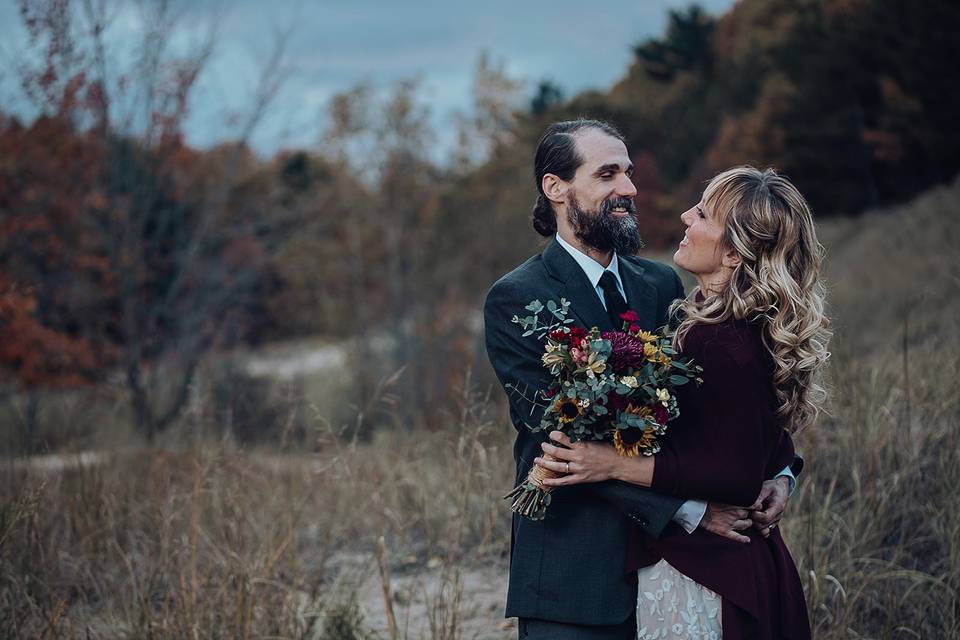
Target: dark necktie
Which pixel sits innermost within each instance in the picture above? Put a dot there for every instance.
(612, 298)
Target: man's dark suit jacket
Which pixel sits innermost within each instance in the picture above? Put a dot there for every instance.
(571, 566)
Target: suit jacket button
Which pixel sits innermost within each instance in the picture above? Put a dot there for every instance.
(643, 523)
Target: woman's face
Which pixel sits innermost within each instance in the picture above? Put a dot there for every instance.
(701, 250)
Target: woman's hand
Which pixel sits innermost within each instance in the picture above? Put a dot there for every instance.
(591, 462)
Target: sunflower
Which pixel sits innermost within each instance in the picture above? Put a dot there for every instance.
(567, 409)
(630, 442)
(640, 411)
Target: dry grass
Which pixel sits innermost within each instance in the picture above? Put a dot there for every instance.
(218, 543)
(208, 541)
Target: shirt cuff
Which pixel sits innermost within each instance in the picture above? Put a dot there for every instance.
(690, 514)
(792, 479)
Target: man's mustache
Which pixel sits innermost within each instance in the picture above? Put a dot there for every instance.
(613, 203)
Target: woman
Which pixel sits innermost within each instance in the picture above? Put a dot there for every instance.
(757, 326)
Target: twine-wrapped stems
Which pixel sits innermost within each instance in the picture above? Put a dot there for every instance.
(531, 498)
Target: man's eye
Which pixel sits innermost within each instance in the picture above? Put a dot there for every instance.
(606, 176)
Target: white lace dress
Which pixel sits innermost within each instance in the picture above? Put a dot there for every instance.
(672, 606)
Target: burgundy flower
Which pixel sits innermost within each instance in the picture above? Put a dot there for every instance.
(577, 334)
(635, 328)
(661, 414)
(616, 402)
(630, 316)
(626, 351)
(559, 335)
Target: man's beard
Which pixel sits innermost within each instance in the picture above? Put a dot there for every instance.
(604, 231)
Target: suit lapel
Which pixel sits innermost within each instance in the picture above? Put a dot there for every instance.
(575, 287)
(641, 295)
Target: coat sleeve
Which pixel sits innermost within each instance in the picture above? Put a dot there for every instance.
(515, 359)
(516, 362)
(733, 445)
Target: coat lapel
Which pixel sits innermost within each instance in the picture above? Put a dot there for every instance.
(584, 301)
(575, 287)
(641, 295)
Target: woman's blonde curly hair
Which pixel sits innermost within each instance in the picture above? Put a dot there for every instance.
(770, 226)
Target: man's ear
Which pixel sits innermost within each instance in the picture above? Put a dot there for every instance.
(554, 188)
(731, 259)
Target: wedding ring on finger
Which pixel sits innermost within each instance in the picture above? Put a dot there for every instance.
(568, 467)
(772, 526)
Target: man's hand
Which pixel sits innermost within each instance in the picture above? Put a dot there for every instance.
(725, 520)
(770, 505)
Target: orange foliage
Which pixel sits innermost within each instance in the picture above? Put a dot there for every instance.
(51, 263)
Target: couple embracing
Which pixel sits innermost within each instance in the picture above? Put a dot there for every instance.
(682, 544)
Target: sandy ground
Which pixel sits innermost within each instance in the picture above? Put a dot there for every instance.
(418, 597)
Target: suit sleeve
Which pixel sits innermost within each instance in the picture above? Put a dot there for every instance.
(515, 359)
(733, 449)
(516, 362)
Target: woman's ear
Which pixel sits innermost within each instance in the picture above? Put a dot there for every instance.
(731, 259)
(554, 188)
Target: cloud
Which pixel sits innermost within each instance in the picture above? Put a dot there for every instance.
(335, 44)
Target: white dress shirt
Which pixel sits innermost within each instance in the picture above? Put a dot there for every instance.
(690, 512)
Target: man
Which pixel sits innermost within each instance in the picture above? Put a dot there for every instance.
(567, 576)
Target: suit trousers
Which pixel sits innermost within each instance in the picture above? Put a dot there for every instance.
(530, 629)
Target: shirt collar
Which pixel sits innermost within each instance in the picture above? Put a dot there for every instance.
(591, 267)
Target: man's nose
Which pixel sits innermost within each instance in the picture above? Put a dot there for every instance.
(626, 187)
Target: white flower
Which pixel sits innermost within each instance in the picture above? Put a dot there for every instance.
(629, 381)
(664, 397)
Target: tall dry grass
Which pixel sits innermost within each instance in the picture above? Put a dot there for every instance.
(875, 526)
(210, 541)
(214, 542)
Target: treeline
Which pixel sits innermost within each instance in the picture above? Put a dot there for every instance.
(125, 253)
(854, 99)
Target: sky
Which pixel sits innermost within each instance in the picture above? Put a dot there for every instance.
(335, 44)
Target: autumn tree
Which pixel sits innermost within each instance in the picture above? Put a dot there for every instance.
(169, 265)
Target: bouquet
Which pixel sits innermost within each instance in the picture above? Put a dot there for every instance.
(614, 386)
